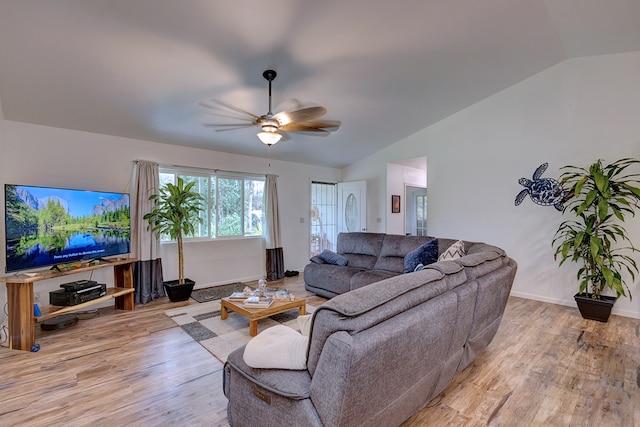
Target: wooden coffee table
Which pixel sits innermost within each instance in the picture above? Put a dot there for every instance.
(255, 314)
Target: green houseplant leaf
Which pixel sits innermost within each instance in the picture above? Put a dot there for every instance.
(176, 214)
(603, 195)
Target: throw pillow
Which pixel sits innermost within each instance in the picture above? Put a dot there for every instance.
(333, 258)
(316, 259)
(278, 347)
(304, 324)
(425, 254)
(456, 250)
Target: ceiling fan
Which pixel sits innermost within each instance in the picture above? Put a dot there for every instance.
(301, 119)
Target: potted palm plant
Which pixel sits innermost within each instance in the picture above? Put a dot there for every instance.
(176, 213)
(602, 197)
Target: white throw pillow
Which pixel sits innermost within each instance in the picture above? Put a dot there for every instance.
(304, 324)
(456, 250)
(278, 347)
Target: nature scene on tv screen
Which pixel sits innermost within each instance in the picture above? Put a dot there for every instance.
(48, 226)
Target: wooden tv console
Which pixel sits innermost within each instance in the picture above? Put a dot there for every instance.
(20, 299)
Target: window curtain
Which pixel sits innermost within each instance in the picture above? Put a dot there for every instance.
(147, 271)
(275, 258)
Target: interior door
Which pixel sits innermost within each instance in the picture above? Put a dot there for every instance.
(415, 210)
(352, 209)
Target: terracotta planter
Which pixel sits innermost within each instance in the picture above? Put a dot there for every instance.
(177, 292)
(595, 309)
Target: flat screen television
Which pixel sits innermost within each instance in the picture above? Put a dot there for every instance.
(48, 226)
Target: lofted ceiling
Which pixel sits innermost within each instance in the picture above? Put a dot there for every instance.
(385, 69)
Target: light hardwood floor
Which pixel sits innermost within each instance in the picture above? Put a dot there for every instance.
(546, 367)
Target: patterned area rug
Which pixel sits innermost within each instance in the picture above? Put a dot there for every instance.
(216, 292)
(220, 337)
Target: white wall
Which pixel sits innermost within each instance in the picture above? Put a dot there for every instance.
(395, 186)
(40, 155)
(573, 113)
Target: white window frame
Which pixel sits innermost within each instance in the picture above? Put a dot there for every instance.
(215, 175)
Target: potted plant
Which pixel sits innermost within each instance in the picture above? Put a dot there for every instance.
(176, 212)
(601, 197)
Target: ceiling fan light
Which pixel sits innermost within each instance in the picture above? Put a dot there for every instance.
(284, 119)
(269, 138)
(269, 128)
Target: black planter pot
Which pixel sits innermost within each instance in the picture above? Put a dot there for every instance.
(177, 292)
(595, 309)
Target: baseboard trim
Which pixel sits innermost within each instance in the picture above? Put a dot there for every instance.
(572, 303)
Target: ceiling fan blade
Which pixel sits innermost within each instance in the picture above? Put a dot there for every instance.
(307, 130)
(301, 115)
(229, 108)
(212, 125)
(330, 125)
(229, 115)
(325, 125)
(228, 126)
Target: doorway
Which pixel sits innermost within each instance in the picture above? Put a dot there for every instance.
(416, 211)
(352, 209)
(407, 179)
(322, 221)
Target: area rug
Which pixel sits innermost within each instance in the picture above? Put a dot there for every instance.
(220, 337)
(216, 292)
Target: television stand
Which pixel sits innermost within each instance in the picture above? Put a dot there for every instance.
(20, 299)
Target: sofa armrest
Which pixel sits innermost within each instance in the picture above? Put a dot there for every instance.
(290, 384)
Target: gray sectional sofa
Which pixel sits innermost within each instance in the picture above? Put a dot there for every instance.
(379, 353)
(371, 257)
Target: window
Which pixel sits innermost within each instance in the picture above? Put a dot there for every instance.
(323, 217)
(234, 202)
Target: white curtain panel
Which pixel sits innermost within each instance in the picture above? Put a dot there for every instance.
(146, 182)
(273, 217)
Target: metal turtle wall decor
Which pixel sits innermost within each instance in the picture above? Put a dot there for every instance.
(543, 191)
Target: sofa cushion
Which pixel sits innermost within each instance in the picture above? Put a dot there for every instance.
(331, 257)
(481, 262)
(332, 278)
(394, 248)
(363, 262)
(368, 277)
(425, 254)
(361, 249)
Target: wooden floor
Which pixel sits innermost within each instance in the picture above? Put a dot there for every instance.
(546, 367)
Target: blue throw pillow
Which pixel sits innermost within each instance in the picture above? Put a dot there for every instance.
(425, 254)
(316, 260)
(333, 258)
